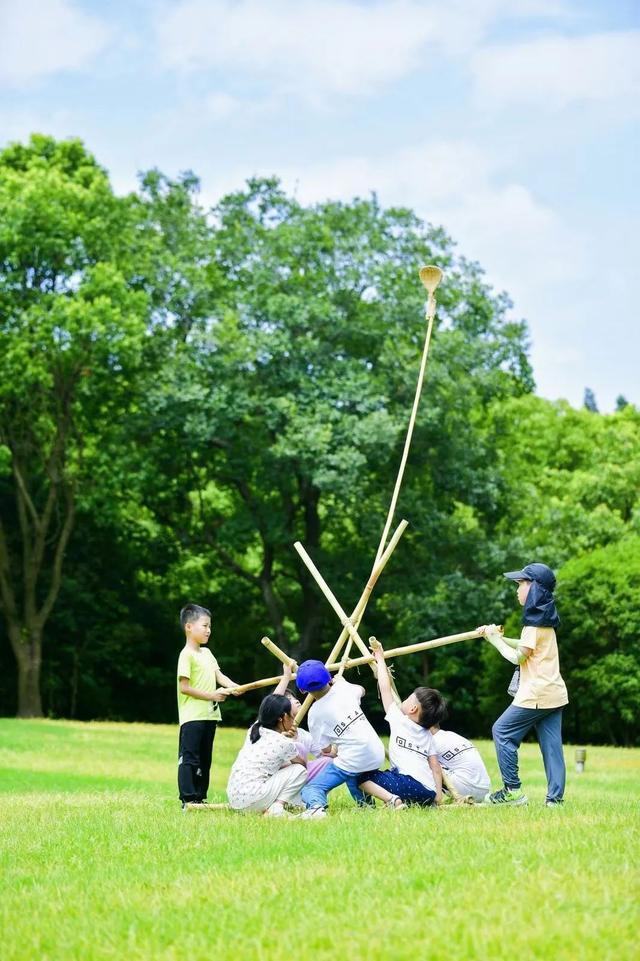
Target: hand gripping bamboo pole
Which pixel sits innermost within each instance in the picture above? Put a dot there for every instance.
(430, 278)
(360, 661)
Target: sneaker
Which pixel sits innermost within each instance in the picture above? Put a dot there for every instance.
(396, 803)
(554, 804)
(276, 810)
(312, 813)
(513, 797)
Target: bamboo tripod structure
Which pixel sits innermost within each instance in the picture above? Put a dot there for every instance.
(430, 278)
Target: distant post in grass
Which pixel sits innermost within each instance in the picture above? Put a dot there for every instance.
(581, 759)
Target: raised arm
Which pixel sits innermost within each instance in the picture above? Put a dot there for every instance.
(283, 684)
(384, 679)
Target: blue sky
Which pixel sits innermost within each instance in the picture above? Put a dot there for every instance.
(513, 123)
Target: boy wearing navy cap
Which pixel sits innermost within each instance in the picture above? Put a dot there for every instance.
(541, 694)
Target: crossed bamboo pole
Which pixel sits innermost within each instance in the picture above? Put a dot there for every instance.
(356, 661)
(430, 278)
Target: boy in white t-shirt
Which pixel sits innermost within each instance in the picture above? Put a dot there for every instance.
(465, 770)
(415, 776)
(336, 718)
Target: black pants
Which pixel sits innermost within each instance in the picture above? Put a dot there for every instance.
(194, 759)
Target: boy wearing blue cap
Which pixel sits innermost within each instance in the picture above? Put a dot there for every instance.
(336, 718)
(541, 694)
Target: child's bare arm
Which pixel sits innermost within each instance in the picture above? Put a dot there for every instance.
(185, 688)
(509, 647)
(226, 682)
(384, 680)
(283, 684)
(436, 770)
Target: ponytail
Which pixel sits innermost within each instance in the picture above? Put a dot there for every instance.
(254, 733)
(273, 707)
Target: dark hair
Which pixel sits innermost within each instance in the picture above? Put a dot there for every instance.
(192, 612)
(433, 706)
(273, 707)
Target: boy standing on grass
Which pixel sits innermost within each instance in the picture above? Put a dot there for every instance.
(199, 677)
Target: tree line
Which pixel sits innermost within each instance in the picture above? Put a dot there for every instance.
(186, 392)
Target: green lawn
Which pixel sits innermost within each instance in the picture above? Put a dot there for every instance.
(98, 862)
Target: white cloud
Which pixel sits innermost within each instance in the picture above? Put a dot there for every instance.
(38, 39)
(519, 240)
(336, 45)
(323, 47)
(556, 71)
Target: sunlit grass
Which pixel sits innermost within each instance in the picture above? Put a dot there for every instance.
(98, 862)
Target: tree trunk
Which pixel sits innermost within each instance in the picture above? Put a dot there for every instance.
(29, 659)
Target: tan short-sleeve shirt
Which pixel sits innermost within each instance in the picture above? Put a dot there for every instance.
(541, 683)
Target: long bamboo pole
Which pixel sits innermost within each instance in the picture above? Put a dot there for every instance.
(430, 277)
(359, 609)
(360, 661)
(330, 596)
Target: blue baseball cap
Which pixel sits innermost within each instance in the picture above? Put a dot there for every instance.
(312, 676)
(535, 572)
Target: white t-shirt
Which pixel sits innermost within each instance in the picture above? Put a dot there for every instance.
(337, 718)
(410, 747)
(255, 764)
(459, 756)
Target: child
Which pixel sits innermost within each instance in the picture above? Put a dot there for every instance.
(462, 765)
(541, 694)
(415, 776)
(268, 772)
(315, 759)
(337, 718)
(198, 698)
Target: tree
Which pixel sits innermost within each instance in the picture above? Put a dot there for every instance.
(589, 402)
(599, 644)
(285, 409)
(621, 402)
(71, 336)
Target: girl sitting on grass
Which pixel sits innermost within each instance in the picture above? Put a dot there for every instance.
(269, 771)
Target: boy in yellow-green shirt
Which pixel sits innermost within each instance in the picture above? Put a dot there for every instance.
(201, 687)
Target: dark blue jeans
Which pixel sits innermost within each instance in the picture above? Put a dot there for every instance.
(510, 730)
(405, 786)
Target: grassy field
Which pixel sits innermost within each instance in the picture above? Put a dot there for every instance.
(98, 862)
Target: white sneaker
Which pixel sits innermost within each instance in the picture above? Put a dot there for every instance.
(276, 810)
(313, 813)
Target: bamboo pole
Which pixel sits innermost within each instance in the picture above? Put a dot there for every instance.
(360, 661)
(278, 652)
(330, 596)
(358, 610)
(430, 277)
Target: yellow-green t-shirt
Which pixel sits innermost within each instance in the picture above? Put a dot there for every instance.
(201, 668)
(541, 683)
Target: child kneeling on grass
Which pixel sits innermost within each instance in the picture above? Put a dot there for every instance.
(336, 718)
(268, 772)
(460, 761)
(415, 776)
